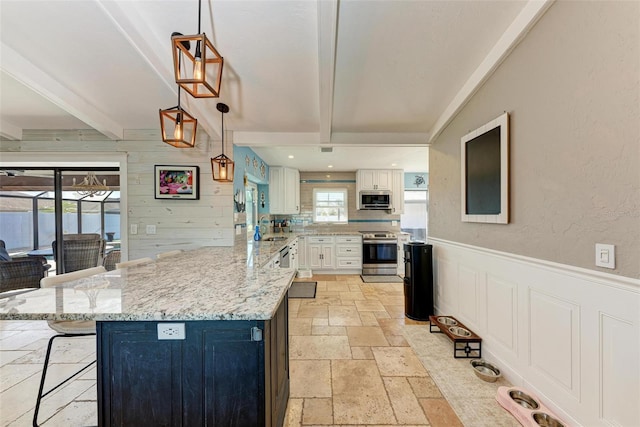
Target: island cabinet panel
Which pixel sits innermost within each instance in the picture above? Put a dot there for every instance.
(219, 375)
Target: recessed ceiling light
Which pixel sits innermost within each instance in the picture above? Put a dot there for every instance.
(394, 164)
(291, 156)
(330, 166)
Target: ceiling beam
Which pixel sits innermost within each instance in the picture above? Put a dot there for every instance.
(518, 29)
(25, 72)
(327, 36)
(270, 139)
(280, 139)
(157, 55)
(9, 131)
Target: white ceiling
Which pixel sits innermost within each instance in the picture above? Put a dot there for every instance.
(375, 80)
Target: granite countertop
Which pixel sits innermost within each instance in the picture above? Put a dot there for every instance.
(210, 283)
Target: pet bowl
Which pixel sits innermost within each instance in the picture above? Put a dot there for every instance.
(485, 370)
(461, 332)
(523, 399)
(546, 420)
(447, 321)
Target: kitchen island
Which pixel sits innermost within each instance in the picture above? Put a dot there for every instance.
(195, 339)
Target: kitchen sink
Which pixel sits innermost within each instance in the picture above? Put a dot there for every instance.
(275, 238)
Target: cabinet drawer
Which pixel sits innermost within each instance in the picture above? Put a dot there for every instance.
(320, 239)
(348, 263)
(348, 250)
(349, 239)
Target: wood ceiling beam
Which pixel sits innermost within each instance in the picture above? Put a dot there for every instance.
(327, 36)
(25, 72)
(518, 29)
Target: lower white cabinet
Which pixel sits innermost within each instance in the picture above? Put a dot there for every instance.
(348, 252)
(321, 252)
(341, 254)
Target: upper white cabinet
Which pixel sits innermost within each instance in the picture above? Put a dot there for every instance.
(397, 193)
(391, 180)
(374, 179)
(284, 190)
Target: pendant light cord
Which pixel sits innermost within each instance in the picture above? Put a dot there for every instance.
(199, 14)
(222, 133)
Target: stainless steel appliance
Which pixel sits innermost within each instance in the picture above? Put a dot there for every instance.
(375, 200)
(379, 253)
(284, 257)
(418, 281)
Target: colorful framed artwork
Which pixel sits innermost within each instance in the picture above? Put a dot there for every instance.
(177, 182)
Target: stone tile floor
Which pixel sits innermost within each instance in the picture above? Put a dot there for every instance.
(350, 364)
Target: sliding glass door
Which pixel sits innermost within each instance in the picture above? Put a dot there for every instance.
(39, 206)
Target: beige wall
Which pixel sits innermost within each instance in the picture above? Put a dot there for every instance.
(572, 89)
(359, 220)
(180, 224)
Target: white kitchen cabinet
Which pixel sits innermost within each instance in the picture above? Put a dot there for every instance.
(397, 193)
(321, 252)
(374, 179)
(284, 190)
(349, 253)
(303, 260)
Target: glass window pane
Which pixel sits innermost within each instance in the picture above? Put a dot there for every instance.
(330, 205)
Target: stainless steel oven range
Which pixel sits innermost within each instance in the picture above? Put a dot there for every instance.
(379, 253)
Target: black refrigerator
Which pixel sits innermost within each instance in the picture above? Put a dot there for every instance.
(418, 281)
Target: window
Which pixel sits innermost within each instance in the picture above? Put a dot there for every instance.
(330, 205)
(414, 218)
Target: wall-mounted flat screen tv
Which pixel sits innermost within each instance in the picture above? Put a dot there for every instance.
(484, 156)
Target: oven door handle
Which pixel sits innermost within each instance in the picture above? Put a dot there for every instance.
(389, 241)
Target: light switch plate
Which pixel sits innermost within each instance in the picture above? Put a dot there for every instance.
(394, 223)
(605, 255)
(133, 229)
(238, 229)
(151, 229)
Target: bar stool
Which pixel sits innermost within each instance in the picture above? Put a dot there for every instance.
(65, 329)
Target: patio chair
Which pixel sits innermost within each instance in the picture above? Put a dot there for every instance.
(81, 251)
(66, 329)
(22, 272)
(111, 260)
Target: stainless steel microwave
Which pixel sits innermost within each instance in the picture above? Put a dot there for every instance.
(375, 200)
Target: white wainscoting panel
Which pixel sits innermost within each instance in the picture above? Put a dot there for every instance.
(502, 312)
(569, 335)
(554, 340)
(619, 387)
(469, 294)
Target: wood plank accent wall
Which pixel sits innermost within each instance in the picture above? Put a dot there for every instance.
(180, 224)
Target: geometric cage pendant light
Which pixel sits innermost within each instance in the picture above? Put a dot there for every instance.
(221, 166)
(178, 126)
(199, 73)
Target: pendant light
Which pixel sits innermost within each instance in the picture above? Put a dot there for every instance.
(222, 166)
(178, 126)
(202, 74)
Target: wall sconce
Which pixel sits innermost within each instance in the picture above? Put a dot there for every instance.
(222, 166)
(203, 74)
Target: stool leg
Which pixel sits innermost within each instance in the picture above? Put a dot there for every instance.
(44, 374)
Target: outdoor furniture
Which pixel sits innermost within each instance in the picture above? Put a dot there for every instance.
(65, 328)
(111, 259)
(22, 273)
(81, 251)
